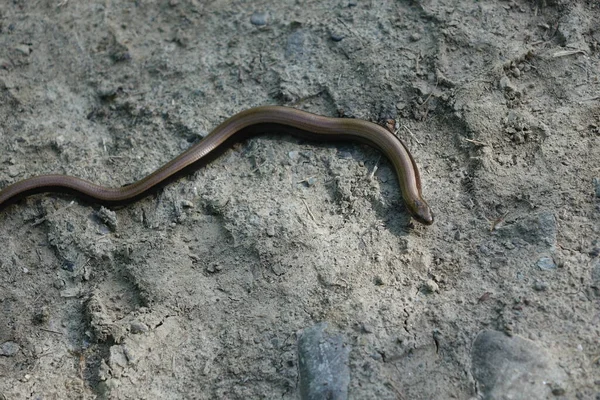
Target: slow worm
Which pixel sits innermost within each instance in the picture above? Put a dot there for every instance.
(246, 123)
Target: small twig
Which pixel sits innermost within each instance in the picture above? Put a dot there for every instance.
(45, 354)
(308, 209)
(591, 98)
(412, 134)
(51, 331)
(476, 142)
(565, 53)
(258, 167)
(375, 168)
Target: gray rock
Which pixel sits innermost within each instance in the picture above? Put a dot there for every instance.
(546, 263)
(138, 327)
(9, 349)
(513, 368)
(506, 85)
(258, 19)
(323, 364)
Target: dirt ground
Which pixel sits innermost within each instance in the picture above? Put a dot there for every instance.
(202, 290)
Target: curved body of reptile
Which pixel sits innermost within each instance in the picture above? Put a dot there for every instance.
(248, 122)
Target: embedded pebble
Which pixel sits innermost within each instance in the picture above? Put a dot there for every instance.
(336, 37)
(258, 18)
(13, 171)
(430, 286)
(400, 105)
(415, 37)
(596, 182)
(23, 49)
(323, 364)
(546, 263)
(187, 204)
(214, 268)
(540, 286)
(294, 155)
(138, 327)
(514, 368)
(9, 349)
(506, 84)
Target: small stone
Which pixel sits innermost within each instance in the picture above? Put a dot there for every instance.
(13, 171)
(400, 105)
(258, 19)
(367, 328)
(558, 390)
(323, 359)
(506, 84)
(138, 327)
(379, 281)
(546, 263)
(540, 286)
(187, 204)
(212, 268)
(311, 181)
(430, 286)
(118, 358)
(294, 155)
(270, 231)
(519, 138)
(23, 49)
(514, 368)
(415, 37)
(336, 37)
(9, 349)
